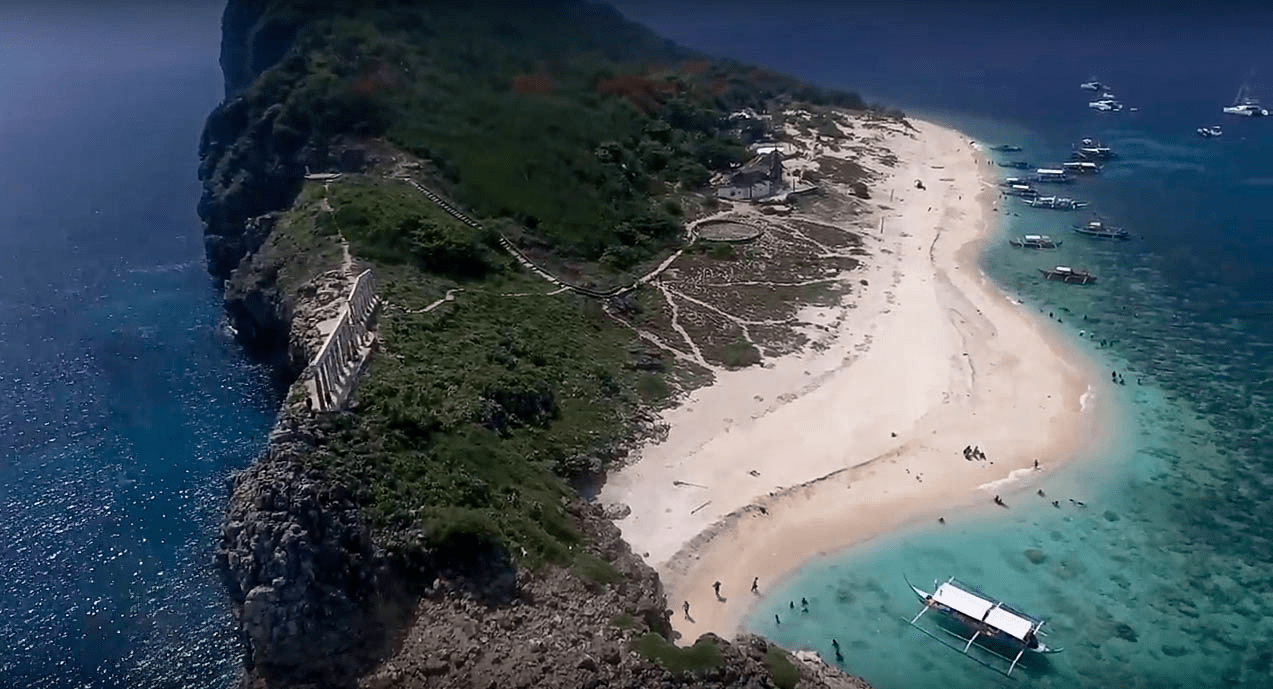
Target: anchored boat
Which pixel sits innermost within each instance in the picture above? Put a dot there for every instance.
(1081, 167)
(1055, 203)
(1045, 175)
(1003, 631)
(1244, 105)
(1034, 241)
(1016, 164)
(1092, 85)
(1090, 149)
(1005, 148)
(1210, 132)
(1097, 228)
(1068, 275)
(1106, 105)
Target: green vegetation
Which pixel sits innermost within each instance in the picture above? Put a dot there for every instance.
(624, 621)
(304, 241)
(740, 354)
(594, 570)
(558, 114)
(576, 134)
(703, 655)
(391, 222)
(781, 669)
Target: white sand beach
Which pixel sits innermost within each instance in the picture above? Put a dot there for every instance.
(820, 450)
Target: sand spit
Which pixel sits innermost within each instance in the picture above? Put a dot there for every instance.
(865, 433)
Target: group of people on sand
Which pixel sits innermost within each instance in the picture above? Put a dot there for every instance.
(971, 453)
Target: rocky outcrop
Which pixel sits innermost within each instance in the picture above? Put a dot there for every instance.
(568, 629)
(304, 577)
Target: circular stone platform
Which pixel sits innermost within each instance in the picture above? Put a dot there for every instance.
(727, 231)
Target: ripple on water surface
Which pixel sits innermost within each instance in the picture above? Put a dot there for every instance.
(120, 446)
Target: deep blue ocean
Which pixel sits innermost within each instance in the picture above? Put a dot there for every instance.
(1163, 577)
(125, 406)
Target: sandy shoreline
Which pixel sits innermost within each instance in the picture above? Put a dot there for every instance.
(823, 450)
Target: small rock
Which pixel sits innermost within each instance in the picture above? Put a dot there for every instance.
(1036, 556)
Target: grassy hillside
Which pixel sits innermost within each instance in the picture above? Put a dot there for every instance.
(559, 114)
(560, 118)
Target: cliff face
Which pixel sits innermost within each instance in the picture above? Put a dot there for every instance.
(317, 600)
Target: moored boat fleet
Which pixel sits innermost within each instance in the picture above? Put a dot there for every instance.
(1086, 158)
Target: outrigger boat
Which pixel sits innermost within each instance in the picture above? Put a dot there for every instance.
(1081, 167)
(1069, 275)
(1024, 190)
(1090, 149)
(1034, 241)
(1092, 85)
(1046, 175)
(1005, 148)
(1016, 165)
(1056, 203)
(1097, 228)
(1210, 132)
(1001, 630)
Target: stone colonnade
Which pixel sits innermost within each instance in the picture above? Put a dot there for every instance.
(336, 365)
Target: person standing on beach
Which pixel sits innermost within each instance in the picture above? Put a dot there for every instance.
(716, 588)
(686, 607)
(755, 585)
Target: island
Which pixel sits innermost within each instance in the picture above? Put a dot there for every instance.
(575, 328)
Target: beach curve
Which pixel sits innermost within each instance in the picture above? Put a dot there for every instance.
(822, 450)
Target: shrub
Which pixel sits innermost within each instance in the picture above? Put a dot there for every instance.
(703, 655)
(781, 669)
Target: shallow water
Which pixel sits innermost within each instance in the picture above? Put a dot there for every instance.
(1161, 579)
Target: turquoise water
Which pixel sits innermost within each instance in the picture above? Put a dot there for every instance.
(1162, 579)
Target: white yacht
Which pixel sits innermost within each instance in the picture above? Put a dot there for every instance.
(1246, 106)
(1109, 105)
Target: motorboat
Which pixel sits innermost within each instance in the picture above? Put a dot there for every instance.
(1210, 132)
(1068, 275)
(1106, 105)
(1081, 167)
(1244, 105)
(1034, 241)
(990, 624)
(1092, 85)
(1056, 203)
(1091, 149)
(1098, 229)
(1045, 175)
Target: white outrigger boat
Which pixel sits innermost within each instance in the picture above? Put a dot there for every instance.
(994, 627)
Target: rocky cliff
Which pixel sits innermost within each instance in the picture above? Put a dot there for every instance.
(320, 598)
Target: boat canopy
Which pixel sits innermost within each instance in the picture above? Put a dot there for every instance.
(1034, 237)
(1049, 171)
(992, 613)
(1063, 269)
